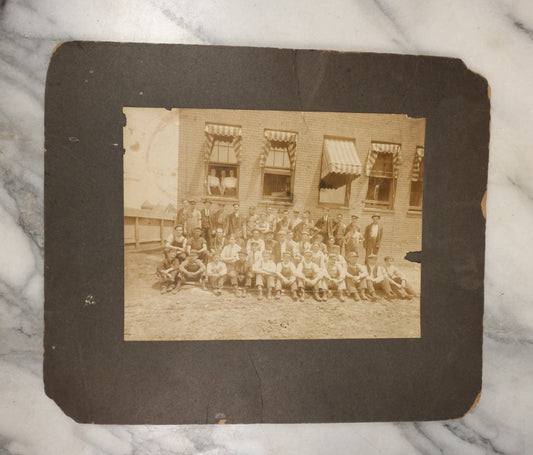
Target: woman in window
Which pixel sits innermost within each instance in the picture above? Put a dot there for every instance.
(213, 183)
(229, 184)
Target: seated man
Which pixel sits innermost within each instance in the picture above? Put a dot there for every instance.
(376, 278)
(230, 253)
(217, 242)
(256, 237)
(167, 270)
(317, 255)
(191, 269)
(308, 276)
(265, 274)
(336, 250)
(286, 276)
(216, 273)
(198, 245)
(355, 278)
(241, 274)
(177, 242)
(334, 274)
(397, 281)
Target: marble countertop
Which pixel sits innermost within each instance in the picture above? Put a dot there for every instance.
(494, 38)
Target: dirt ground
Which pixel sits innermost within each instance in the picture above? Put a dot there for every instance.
(194, 314)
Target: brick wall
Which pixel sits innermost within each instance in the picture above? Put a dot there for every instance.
(402, 231)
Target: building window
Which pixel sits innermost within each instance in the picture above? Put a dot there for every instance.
(278, 163)
(417, 180)
(382, 169)
(222, 156)
(340, 166)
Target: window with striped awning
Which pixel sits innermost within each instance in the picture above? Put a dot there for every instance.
(222, 155)
(278, 161)
(340, 166)
(382, 167)
(225, 134)
(417, 178)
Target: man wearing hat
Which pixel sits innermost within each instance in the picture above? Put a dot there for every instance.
(286, 276)
(183, 215)
(219, 218)
(208, 221)
(256, 238)
(250, 223)
(309, 276)
(397, 281)
(273, 246)
(339, 231)
(354, 222)
(191, 269)
(325, 224)
(194, 219)
(376, 278)
(355, 277)
(372, 237)
(334, 275)
(234, 221)
(198, 245)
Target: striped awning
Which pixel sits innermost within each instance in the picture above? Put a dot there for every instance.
(214, 131)
(419, 156)
(339, 159)
(285, 137)
(378, 147)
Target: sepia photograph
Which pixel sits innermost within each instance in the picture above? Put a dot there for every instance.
(258, 225)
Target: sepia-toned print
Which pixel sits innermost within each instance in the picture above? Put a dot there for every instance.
(243, 224)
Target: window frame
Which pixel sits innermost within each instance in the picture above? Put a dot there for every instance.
(210, 163)
(375, 204)
(289, 200)
(417, 208)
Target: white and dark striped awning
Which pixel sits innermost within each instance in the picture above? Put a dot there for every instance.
(379, 147)
(419, 156)
(339, 159)
(214, 131)
(285, 137)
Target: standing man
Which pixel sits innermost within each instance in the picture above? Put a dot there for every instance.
(208, 221)
(250, 223)
(354, 223)
(219, 218)
(234, 221)
(325, 224)
(339, 231)
(182, 216)
(195, 218)
(373, 236)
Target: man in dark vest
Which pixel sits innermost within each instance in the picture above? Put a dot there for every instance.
(208, 222)
(373, 236)
(325, 224)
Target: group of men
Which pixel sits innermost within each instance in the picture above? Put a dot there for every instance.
(276, 252)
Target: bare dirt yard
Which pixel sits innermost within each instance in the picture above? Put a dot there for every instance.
(194, 314)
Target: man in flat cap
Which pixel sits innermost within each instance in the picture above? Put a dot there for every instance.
(373, 236)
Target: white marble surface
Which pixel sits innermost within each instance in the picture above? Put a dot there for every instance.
(493, 37)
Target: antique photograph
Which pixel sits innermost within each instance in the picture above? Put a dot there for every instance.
(257, 225)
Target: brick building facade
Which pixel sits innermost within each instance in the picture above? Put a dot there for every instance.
(282, 158)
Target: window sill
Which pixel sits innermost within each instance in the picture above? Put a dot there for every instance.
(274, 201)
(377, 210)
(331, 205)
(414, 212)
(221, 199)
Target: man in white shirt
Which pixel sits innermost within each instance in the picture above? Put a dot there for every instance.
(256, 237)
(377, 279)
(372, 237)
(216, 274)
(230, 253)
